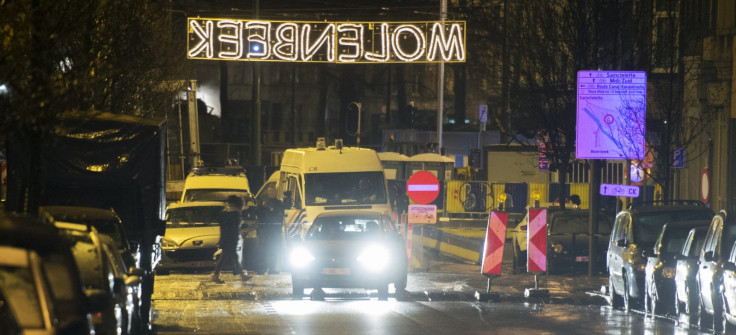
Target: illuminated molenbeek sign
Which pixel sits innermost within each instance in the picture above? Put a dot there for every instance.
(327, 42)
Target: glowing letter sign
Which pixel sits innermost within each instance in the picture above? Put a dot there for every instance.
(327, 42)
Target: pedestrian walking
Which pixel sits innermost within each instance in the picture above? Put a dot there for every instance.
(270, 218)
(230, 219)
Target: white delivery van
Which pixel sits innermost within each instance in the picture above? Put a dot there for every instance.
(215, 184)
(322, 179)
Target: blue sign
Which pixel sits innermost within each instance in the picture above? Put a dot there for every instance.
(620, 190)
(678, 159)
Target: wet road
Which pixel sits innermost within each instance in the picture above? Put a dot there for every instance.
(437, 303)
(370, 316)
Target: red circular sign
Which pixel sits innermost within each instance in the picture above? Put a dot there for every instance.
(705, 186)
(422, 187)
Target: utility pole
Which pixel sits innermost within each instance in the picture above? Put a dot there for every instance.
(441, 84)
(256, 126)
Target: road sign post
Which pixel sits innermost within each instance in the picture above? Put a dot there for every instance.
(493, 252)
(422, 188)
(536, 250)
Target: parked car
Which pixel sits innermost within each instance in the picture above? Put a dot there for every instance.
(729, 291)
(687, 300)
(98, 277)
(716, 250)
(25, 297)
(344, 249)
(659, 286)
(126, 286)
(105, 220)
(635, 229)
(59, 269)
(192, 235)
(567, 240)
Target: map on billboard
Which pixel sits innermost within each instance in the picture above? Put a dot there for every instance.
(611, 114)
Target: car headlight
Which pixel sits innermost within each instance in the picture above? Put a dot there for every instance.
(374, 258)
(668, 272)
(300, 257)
(558, 248)
(168, 244)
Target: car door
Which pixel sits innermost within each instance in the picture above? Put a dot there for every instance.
(729, 281)
(708, 262)
(615, 249)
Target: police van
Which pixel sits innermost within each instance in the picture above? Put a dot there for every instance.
(329, 178)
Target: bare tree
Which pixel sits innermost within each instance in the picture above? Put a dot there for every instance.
(82, 57)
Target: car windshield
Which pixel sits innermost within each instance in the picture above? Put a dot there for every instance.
(193, 216)
(673, 240)
(577, 223)
(20, 292)
(347, 188)
(648, 225)
(343, 228)
(212, 194)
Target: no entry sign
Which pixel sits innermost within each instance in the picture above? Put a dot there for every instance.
(422, 187)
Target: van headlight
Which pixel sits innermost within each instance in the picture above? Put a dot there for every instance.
(374, 258)
(300, 257)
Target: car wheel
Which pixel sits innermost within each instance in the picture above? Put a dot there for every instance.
(400, 285)
(717, 313)
(727, 327)
(383, 292)
(297, 288)
(616, 300)
(626, 296)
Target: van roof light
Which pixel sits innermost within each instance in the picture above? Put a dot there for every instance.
(321, 145)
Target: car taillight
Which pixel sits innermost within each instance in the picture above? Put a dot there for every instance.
(96, 318)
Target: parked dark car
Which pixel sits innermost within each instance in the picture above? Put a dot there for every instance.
(104, 292)
(716, 250)
(634, 230)
(25, 297)
(568, 235)
(59, 269)
(105, 220)
(344, 249)
(567, 240)
(659, 286)
(686, 294)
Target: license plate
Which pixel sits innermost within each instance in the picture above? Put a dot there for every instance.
(581, 259)
(336, 271)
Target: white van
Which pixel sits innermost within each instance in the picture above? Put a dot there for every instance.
(320, 179)
(215, 184)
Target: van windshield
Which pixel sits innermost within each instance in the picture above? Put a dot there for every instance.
(212, 194)
(345, 188)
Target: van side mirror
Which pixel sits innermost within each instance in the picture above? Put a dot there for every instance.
(728, 266)
(621, 243)
(648, 253)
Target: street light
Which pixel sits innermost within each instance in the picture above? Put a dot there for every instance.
(358, 106)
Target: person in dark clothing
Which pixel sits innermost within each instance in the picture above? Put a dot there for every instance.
(230, 219)
(270, 218)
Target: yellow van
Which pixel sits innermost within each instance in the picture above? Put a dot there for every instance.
(328, 178)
